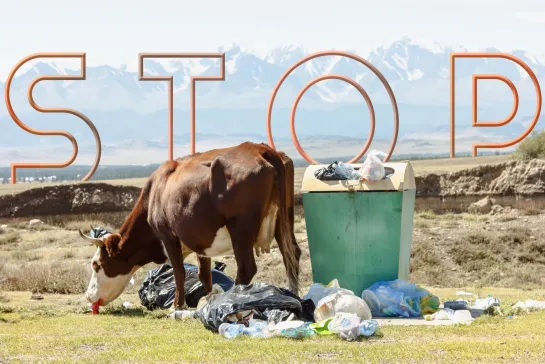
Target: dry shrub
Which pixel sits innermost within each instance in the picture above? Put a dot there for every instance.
(9, 238)
(38, 277)
(4, 298)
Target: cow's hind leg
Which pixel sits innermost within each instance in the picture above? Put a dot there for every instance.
(243, 238)
(205, 273)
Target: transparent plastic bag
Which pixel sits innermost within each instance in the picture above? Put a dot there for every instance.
(346, 171)
(344, 322)
(399, 298)
(372, 169)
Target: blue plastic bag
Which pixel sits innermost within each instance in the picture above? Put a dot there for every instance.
(399, 298)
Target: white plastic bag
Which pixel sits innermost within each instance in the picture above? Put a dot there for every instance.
(372, 169)
(318, 291)
(330, 305)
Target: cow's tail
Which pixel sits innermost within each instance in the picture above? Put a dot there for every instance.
(285, 229)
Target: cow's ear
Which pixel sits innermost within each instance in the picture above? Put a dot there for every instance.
(113, 244)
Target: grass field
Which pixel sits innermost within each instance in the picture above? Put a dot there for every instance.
(420, 167)
(502, 255)
(58, 329)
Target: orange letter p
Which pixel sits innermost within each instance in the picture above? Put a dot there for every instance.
(475, 80)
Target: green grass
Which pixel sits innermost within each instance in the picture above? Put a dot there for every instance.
(57, 330)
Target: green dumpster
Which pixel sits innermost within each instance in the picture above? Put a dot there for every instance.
(360, 232)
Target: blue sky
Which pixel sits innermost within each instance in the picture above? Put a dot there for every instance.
(115, 34)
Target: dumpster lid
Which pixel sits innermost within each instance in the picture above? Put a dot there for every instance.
(402, 179)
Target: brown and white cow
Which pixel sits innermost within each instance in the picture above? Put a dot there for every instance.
(215, 203)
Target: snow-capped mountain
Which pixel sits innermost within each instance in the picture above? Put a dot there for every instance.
(122, 106)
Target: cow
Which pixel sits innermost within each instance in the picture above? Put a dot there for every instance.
(227, 201)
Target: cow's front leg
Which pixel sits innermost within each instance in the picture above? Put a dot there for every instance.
(205, 273)
(174, 252)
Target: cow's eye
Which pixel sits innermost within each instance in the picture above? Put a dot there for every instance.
(96, 267)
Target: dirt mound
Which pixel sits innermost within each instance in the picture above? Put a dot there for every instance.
(512, 178)
(69, 199)
(510, 183)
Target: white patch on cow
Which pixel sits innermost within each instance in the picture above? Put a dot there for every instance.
(222, 244)
(106, 288)
(266, 232)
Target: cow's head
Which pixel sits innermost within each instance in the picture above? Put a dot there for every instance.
(112, 268)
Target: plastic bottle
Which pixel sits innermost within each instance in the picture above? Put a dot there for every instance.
(257, 329)
(368, 327)
(182, 314)
(298, 332)
(230, 331)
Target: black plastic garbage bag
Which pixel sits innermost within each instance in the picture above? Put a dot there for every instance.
(329, 173)
(259, 297)
(159, 287)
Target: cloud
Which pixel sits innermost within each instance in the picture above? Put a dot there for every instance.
(532, 17)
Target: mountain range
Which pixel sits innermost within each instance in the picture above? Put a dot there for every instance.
(131, 114)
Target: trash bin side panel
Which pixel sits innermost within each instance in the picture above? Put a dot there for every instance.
(379, 230)
(354, 237)
(406, 238)
(331, 230)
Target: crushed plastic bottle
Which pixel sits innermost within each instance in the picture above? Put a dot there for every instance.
(298, 332)
(231, 331)
(257, 329)
(368, 327)
(182, 314)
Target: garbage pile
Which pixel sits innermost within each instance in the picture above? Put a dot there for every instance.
(372, 170)
(262, 310)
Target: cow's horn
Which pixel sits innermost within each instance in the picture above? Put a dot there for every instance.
(96, 241)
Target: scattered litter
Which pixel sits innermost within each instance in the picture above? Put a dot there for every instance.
(485, 303)
(230, 331)
(299, 332)
(132, 281)
(368, 327)
(159, 286)
(35, 222)
(457, 305)
(257, 329)
(182, 315)
(530, 305)
(322, 327)
(399, 298)
(339, 302)
(344, 322)
(127, 305)
(459, 316)
(462, 293)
